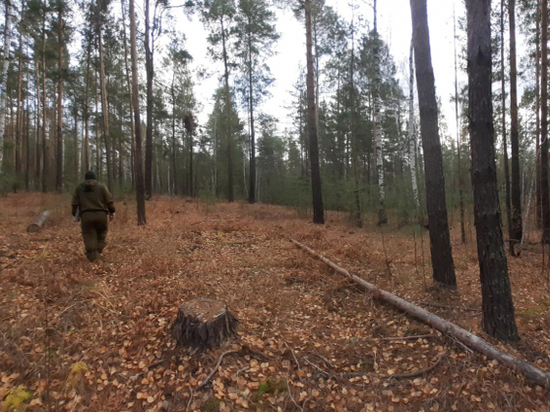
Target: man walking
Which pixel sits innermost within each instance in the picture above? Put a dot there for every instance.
(91, 203)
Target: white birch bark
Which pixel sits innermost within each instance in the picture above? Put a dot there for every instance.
(412, 136)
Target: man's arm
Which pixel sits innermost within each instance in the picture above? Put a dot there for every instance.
(108, 198)
(75, 203)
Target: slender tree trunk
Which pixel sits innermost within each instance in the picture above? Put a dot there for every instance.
(174, 148)
(20, 117)
(537, 118)
(191, 185)
(27, 137)
(377, 132)
(129, 84)
(498, 308)
(544, 124)
(504, 142)
(318, 211)
(149, 130)
(86, 148)
(138, 163)
(230, 196)
(105, 108)
(358, 220)
(75, 142)
(412, 135)
(59, 132)
(37, 145)
(441, 254)
(252, 191)
(44, 107)
(459, 145)
(4, 83)
(517, 227)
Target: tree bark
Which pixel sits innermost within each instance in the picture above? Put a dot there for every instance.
(59, 131)
(504, 142)
(412, 135)
(4, 83)
(252, 191)
(149, 130)
(459, 145)
(19, 119)
(104, 105)
(517, 227)
(44, 145)
(37, 143)
(440, 244)
(318, 211)
(498, 308)
(86, 148)
(230, 196)
(138, 162)
(544, 124)
(377, 129)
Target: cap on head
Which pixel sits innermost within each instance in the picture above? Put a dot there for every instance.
(89, 175)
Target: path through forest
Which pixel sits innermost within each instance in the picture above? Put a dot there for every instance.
(96, 336)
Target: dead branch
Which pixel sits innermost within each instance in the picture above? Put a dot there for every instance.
(530, 371)
(411, 337)
(205, 382)
(401, 376)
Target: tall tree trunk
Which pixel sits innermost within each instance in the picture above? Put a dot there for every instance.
(37, 144)
(318, 211)
(149, 130)
(498, 308)
(104, 107)
(412, 135)
(377, 132)
(191, 185)
(86, 148)
(138, 162)
(537, 117)
(504, 142)
(75, 141)
(517, 227)
(44, 107)
(358, 220)
(230, 196)
(459, 145)
(174, 148)
(544, 124)
(4, 83)
(19, 119)
(252, 191)
(129, 84)
(441, 254)
(59, 132)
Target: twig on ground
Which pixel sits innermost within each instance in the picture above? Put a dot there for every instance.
(207, 380)
(411, 337)
(293, 355)
(242, 370)
(330, 375)
(410, 375)
(292, 397)
(323, 359)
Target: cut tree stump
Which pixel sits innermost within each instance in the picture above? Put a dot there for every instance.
(39, 223)
(203, 324)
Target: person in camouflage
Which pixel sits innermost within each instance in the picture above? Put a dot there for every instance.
(92, 202)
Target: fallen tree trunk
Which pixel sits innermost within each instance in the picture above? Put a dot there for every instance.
(39, 223)
(472, 341)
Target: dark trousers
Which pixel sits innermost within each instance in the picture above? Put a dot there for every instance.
(94, 232)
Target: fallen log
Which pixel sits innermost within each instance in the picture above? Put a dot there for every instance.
(470, 340)
(203, 324)
(39, 223)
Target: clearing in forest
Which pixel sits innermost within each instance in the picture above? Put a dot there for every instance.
(76, 335)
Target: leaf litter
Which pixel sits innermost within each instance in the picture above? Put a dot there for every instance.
(81, 336)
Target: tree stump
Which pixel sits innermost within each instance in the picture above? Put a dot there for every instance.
(39, 223)
(203, 324)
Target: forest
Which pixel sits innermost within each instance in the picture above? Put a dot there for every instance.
(371, 243)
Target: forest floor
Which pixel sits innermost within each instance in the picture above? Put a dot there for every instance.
(79, 336)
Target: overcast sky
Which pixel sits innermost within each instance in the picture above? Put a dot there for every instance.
(394, 25)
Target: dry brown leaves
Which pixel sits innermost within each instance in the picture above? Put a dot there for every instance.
(81, 336)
